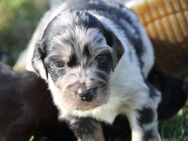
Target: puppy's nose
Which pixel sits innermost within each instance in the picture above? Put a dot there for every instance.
(86, 94)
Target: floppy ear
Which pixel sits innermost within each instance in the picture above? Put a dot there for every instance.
(38, 59)
(116, 45)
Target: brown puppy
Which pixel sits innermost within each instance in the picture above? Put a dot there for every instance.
(26, 109)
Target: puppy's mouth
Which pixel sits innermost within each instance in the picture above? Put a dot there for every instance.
(80, 105)
(86, 107)
(84, 100)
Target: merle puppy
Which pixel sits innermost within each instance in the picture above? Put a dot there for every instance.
(95, 58)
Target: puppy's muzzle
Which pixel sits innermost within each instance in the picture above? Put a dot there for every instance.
(87, 94)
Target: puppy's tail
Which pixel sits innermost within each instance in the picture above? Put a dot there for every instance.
(174, 92)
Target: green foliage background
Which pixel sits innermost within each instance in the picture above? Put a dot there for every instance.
(18, 18)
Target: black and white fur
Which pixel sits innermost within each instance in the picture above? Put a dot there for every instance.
(96, 57)
(32, 112)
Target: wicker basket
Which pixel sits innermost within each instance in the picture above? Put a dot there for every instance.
(166, 22)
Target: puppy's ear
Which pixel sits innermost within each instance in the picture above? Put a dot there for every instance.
(116, 45)
(38, 59)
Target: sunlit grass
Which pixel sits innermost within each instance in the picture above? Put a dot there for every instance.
(32, 138)
(176, 128)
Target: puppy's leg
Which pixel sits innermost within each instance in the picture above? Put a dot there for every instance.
(144, 119)
(87, 129)
(144, 124)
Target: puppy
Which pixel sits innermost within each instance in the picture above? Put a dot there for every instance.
(173, 92)
(26, 109)
(9, 101)
(95, 58)
(26, 102)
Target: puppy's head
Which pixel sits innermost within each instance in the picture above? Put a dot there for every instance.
(76, 56)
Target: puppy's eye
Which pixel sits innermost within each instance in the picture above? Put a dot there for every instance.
(101, 58)
(59, 64)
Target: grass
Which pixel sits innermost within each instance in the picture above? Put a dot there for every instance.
(32, 138)
(18, 19)
(176, 128)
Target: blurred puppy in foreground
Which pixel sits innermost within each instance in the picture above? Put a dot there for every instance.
(26, 109)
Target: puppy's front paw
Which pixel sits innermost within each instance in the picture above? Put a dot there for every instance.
(87, 129)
